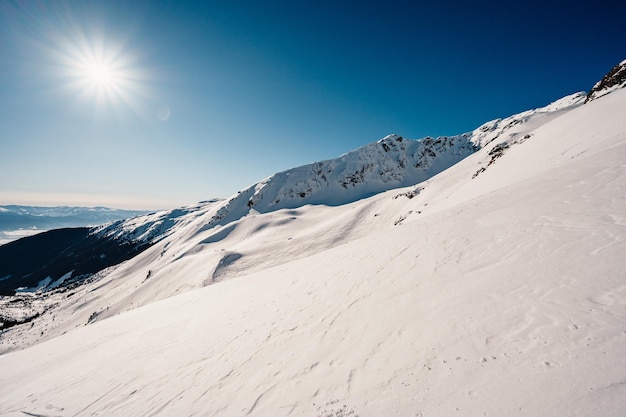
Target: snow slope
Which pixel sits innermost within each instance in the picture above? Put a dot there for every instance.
(494, 288)
(218, 239)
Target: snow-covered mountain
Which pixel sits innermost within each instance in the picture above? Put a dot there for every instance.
(493, 285)
(389, 163)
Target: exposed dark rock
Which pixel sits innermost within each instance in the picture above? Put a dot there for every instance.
(615, 78)
(6, 322)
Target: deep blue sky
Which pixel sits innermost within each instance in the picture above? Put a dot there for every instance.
(210, 97)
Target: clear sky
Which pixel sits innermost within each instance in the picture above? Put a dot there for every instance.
(157, 104)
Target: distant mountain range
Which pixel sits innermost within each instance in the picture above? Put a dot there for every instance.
(17, 221)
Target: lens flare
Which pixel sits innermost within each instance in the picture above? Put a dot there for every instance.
(101, 72)
(90, 62)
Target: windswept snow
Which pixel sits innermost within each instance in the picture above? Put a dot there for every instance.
(495, 294)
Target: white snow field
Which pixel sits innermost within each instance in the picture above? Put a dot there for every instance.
(491, 292)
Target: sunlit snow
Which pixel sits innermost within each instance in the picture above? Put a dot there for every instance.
(495, 288)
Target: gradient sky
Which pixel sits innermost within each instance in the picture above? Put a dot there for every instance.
(205, 98)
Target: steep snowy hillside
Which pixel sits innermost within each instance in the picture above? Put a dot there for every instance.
(390, 163)
(65, 257)
(495, 288)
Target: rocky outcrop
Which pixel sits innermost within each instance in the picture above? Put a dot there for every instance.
(613, 80)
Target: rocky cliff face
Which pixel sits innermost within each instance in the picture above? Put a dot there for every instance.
(391, 162)
(614, 79)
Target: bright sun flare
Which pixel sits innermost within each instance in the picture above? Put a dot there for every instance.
(100, 75)
(104, 76)
(96, 69)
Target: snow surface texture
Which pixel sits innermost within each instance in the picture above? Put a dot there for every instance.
(499, 293)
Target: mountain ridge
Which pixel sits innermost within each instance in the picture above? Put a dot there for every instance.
(389, 163)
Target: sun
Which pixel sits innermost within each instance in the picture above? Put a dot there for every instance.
(88, 62)
(100, 75)
(100, 71)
